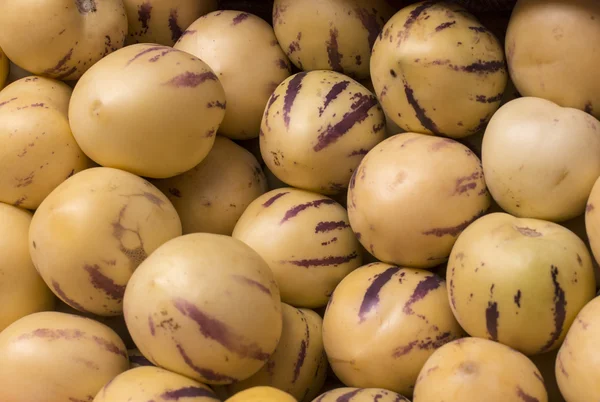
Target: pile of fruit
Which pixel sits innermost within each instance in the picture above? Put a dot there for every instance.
(299, 200)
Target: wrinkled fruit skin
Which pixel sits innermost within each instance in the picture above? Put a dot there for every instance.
(437, 70)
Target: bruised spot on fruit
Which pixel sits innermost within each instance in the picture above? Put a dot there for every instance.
(560, 310)
(217, 104)
(525, 231)
(491, 320)
(253, 283)
(524, 396)
(333, 53)
(104, 283)
(323, 262)
(209, 374)
(444, 25)
(323, 227)
(174, 27)
(333, 93)
(454, 230)
(371, 297)
(468, 367)
(294, 211)
(291, 93)
(187, 392)
(419, 111)
(491, 99)
(86, 6)
(151, 326)
(359, 113)
(369, 22)
(218, 331)
(240, 18)
(517, 298)
(588, 108)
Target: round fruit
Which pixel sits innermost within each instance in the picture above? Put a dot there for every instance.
(22, 290)
(163, 21)
(48, 356)
(37, 148)
(262, 394)
(316, 129)
(154, 384)
(412, 304)
(78, 34)
(469, 368)
(148, 109)
(330, 35)
(577, 365)
(137, 359)
(534, 150)
(519, 281)
(437, 70)
(545, 42)
(90, 234)
(242, 50)
(360, 395)
(412, 195)
(299, 365)
(305, 238)
(205, 306)
(4, 68)
(211, 197)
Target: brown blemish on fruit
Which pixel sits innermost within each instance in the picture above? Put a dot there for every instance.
(282, 64)
(560, 310)
(468, 367)
(358, 60)
(187, 392)
(333, 53)
(467, 183)
(217, 104)
(104, 283)
(175, 192)
(359, 112)
(589, 208)
(25, 181)
(333, 93)
(144, 14)
(445, 25)
(333, 240)
(579, 260)
(524, 396)
(360, 152)
(86, 6)
(151, 326)
(460, 256)
(253, 283)
(294, 211)
(20, 201)
(278, 11)
(176, 30)
(291, 93)
(190, 79)
(454, 230)
(240, 18)
(323, 227)
(491, 320)
(369, 22)
(218, 331)
(323, 262)
(426, 344)
(371, 297)
(135, 255)
(525, 231)
(420, 113)
(491, 99)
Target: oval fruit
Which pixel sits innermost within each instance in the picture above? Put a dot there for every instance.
(472, 367)
(437, 70)
(412, 195)
(520, 282)
(242, 50)
(414, 306)
(176, 314)
(211, 197)
(262, 394)
(534, 150)
(148, 109)
(90, 234)
(314, 247)
(360, 395)
(80, 33)
(316, 129)
(334, 35)
(49, 356)
(154, 384)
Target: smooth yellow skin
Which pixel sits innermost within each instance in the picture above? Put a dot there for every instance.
(147, 109)
(205, 306)
(330, 35)
(577, 363)
(163, 21)
(361, 395)
(211, 197)
(546, 364)
(90, 234)
(383, 323)
(78, 34)
(4, 68)
(411, 197)
(50, 357)
(242, 50)
(37, 148)
(437, 70)
(297, 365)
(519, 281)
(471, 368)
(154, 384)
(316, 139)
(534, 150)
(262, 394)
(548, 54)
(22, 290)
(137, 359)
(305, 238)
